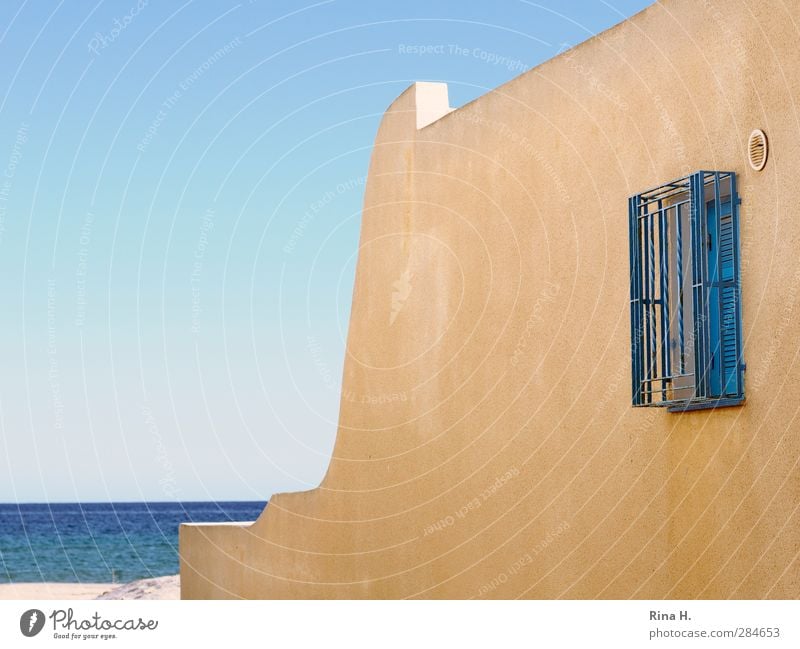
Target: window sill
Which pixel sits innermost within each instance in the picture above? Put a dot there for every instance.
(706, 405)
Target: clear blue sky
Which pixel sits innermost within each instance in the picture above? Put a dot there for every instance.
(180, 187)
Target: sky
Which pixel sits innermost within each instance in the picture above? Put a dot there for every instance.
(180, 195)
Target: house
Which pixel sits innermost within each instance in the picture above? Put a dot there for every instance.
(500, 288)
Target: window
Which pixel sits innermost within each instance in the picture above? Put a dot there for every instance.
(686, 324)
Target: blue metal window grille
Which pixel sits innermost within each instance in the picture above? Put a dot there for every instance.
(686, 320)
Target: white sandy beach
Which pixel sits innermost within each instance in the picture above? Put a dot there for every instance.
(155, 588)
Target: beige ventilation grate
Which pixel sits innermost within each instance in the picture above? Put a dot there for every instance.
(757, 149)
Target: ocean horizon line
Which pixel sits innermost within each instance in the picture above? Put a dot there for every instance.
(131, 502)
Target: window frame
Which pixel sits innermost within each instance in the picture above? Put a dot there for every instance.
(660, 328)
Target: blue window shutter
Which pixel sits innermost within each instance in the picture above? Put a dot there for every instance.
(728, 301)
(712, 252)
(724, 373)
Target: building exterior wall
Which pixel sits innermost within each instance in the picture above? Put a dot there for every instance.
(486, 445)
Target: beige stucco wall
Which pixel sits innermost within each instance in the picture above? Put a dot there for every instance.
(486, 445)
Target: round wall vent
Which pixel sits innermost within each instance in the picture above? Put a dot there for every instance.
(757, 149)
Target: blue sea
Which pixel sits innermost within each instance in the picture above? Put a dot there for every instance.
(102, 542)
